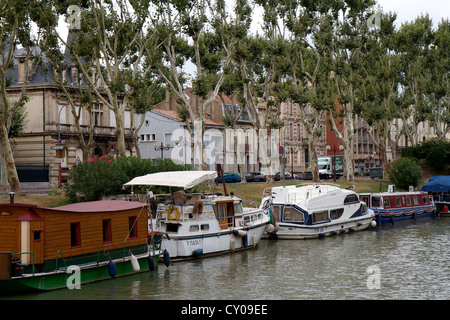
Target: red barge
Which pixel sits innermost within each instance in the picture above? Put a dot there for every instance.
(392, 207)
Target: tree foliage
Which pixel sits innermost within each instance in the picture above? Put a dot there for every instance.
(405, 172)
(105, 176)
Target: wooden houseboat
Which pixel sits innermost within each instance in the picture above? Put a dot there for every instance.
(40, 248)
(392, 207)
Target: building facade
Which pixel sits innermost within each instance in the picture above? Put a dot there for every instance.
(294, 140)
(163, 135)
(50, 143)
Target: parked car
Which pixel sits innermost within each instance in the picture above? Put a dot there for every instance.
(229, 177)
(249, 176)
(277, 175)
(259, 176)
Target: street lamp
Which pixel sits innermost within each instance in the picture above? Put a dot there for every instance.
(59, 143)
(162, 148)
(334, 158)
(291, 153)
(291, 126)
(184, 142)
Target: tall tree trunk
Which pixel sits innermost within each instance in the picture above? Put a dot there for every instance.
(8, 158)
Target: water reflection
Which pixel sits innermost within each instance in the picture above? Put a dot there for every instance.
(412, 259)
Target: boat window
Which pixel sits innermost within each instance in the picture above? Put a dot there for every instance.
(364, 199)
(425, 199)
(106, 225)
(398, 201)
(36, 235)
(416, 200)
(336, 213)
(376, 202)
(132, 223)
(363, 208)
(204, 227)
(408, 201)
(276, 212)
(387, 202)
(193, 228)
(75, 235)
(237, 208)
(222, 213)
(172, 227)
(320, 216)
(351, 198)
(293, 214)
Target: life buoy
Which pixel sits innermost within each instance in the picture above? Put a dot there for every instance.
(170, 211)
(198, 207)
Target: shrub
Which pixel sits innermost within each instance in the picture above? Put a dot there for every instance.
(435, 152)
(438, 157)
(405, 172)
(105, 176)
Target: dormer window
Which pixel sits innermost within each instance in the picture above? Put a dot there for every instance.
(74, 75)
(22, 67)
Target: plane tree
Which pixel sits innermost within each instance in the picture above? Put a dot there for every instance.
(17, 18)
(107, 49)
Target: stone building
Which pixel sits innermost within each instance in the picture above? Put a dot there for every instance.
(50, 144)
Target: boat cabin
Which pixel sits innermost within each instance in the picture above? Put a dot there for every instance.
(226, 210)
(74, 234)
(203, 213)
(314, 204)
(396, 200)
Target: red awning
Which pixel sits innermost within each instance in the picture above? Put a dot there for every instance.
(29, 215)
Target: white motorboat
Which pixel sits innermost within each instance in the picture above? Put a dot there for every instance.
(311, 211)
(198, 225)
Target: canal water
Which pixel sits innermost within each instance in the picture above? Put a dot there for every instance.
(407, 261)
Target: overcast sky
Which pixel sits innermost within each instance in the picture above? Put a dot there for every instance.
(408, 10)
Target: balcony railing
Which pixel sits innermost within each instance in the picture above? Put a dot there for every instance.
(98, 130)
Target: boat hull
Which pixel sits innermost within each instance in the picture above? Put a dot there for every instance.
(293, 231)
(211, 244)
(389, 217)
(62, 279)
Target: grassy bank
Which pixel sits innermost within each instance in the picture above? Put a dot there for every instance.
(248, 192)
(253, 191)
(45, 201)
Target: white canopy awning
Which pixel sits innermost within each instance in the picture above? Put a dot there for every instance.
(182, 179)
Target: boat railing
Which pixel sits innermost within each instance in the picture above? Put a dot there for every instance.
(56, 260)
(118, 253)
(267, 192)
(253, 217)
(251, 203)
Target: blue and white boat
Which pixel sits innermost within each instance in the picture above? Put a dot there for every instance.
(201, 225)
(392, 207)
(312, 211)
